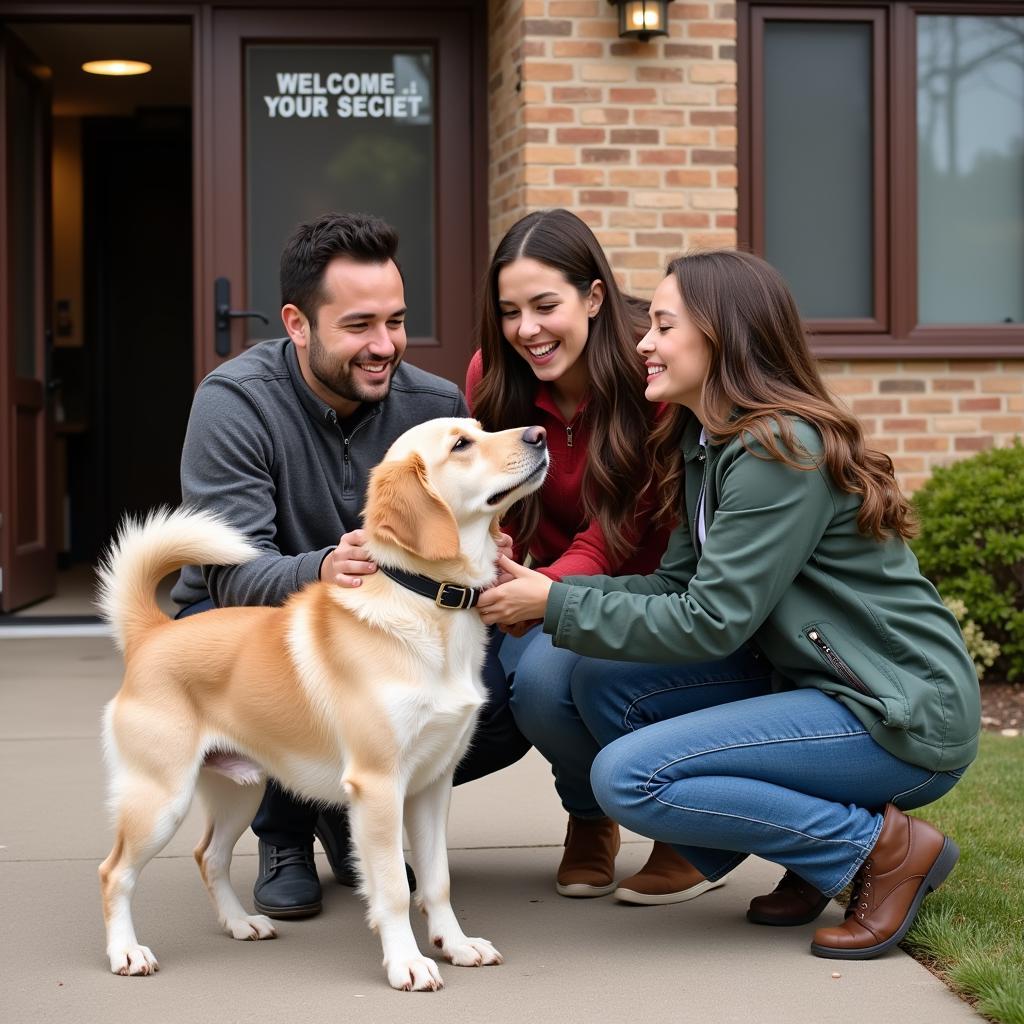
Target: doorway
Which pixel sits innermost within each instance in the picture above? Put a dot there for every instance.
(120, 375)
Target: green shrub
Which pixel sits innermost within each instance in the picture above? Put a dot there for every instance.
(971, 545)
(983, 652)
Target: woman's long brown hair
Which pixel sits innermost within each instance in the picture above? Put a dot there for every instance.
(617, 415)
(761, 373)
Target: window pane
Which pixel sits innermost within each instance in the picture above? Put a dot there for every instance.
(347, 129)
(818, 161)
(970, 160)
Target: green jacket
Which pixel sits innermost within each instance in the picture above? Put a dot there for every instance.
(785, 567)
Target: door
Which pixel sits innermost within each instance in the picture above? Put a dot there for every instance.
(316, 110)
(28, 554)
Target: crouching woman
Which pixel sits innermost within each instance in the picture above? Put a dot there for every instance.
(791, 552)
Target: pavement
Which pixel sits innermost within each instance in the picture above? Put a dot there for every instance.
(565, 960)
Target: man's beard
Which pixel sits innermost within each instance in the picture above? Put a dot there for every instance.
(341, 380)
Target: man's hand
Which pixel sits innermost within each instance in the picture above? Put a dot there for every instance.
(349, 562)
(522, 598)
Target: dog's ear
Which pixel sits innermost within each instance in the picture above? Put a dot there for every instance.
(404, 509)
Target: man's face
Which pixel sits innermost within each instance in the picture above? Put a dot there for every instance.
(359, 336)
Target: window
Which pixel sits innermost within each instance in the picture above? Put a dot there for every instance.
(882, 171)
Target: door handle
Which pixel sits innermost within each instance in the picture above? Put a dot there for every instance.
(224, 314)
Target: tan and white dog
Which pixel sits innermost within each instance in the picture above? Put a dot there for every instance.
(366, 697)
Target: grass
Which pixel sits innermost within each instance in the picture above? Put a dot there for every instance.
(971, 931)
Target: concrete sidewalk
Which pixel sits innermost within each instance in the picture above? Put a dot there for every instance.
(566, 960)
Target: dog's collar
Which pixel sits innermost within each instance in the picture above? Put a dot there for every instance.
(452, 596)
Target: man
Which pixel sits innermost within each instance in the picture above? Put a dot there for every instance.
(281, 440)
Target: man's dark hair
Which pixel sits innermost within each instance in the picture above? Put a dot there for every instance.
(359, 236)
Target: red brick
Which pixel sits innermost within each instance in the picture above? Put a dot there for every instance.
(575, 48)
(877, 405)
(547, 26)
(579, 176)
(974, 444)
(604, 197)
(926, 444)
(535, 112)
(689, 50)
(713, 156)
(623, 95)
(905, 423)
(901, 386)
(979, 404)
(605, 156)
(659, 116)
(686, 220)
(576, 94)
(627, 136)
(688, 179)
(660, 239)
(659, 74)
(580, 135)
(662, 156)
(713, 117)
(953, 384)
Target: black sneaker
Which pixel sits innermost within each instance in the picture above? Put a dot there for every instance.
(332, 830)
(288, 885)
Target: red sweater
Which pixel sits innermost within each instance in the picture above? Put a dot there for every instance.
(564, 543)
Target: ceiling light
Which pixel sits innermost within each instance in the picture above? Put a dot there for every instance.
(117, 67)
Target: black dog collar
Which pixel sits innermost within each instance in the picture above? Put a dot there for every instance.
(452, 596)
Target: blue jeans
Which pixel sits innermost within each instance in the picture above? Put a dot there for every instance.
(793, 777)
(545, 704)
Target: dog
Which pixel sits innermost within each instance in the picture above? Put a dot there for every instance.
(365, 697)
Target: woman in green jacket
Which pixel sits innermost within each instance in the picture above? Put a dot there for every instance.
(791, 554)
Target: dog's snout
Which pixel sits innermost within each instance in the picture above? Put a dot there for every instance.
(535, 436)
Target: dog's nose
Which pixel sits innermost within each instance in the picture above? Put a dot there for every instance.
(535, 436)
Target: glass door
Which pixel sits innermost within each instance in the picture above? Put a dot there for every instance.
(312, 111)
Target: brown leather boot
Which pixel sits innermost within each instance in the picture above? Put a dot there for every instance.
(588, 864)
(665, 878)
(908, 861)
(792, 902)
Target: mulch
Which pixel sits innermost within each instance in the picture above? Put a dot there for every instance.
(1002, 706)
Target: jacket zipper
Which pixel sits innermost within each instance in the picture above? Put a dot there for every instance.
(836, 662)
(568, 436)
(702, 458)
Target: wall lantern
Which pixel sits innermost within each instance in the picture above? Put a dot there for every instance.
(641, 19)
(117, 67)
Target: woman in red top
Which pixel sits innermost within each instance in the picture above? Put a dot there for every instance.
(558, 349)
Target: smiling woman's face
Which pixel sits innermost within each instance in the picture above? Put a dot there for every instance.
(675, 352)
(544, 318)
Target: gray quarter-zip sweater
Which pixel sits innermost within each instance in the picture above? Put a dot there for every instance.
(264, 451)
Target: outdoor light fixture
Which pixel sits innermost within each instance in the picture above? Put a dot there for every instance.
(641, 19)
(117, 67)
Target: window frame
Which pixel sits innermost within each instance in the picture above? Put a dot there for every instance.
(894, 331)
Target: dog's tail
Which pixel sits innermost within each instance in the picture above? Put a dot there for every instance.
(146, 550)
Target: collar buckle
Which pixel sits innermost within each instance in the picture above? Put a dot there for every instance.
(465, 597)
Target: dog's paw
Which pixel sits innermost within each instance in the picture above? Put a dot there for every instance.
(471, 953)
(416, 974)
(133, 960)
(251, 928)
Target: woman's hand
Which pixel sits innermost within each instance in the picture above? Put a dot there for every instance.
(523, 597)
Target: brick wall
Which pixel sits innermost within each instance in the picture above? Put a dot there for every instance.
(639, 139)
(928, 414)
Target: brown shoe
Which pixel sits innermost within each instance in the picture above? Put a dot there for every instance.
(909, 860)
(665, 878)
(793, 902)
(588, 864)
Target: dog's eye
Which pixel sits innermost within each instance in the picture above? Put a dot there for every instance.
(462, 444)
